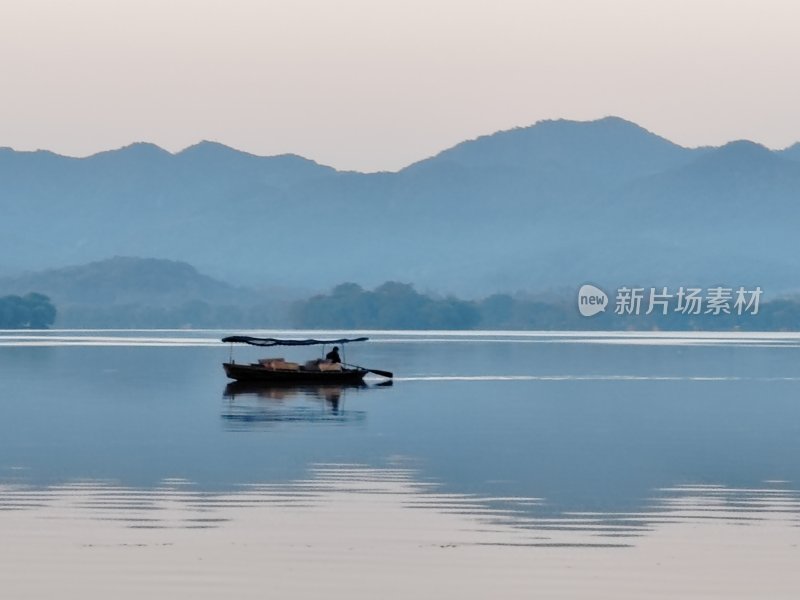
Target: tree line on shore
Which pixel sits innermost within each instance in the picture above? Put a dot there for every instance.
(32, 311)
(399, 306)
(392, 305)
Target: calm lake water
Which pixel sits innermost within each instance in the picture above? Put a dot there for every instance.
(570, 464)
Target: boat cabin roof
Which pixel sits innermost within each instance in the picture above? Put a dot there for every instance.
(256, 341)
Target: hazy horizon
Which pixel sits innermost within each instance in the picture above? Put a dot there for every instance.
(365, 86)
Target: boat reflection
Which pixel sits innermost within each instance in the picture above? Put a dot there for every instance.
(253, 404)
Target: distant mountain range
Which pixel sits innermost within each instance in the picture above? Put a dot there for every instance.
(147, 292)
(545, 207)
(127, 280)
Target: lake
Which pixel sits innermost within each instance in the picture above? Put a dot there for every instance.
(510, 464)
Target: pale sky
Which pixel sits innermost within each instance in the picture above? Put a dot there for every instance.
(372, 84)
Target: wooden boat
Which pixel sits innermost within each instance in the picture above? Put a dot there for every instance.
(277, 370)
(259, 372)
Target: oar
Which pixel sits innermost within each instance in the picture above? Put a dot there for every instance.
(388, 374)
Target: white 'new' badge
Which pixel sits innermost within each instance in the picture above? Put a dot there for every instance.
(591, 300)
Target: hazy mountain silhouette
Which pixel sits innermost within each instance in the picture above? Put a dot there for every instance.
(792, 152)
(155, 282)
(609, 150)
(542, 207)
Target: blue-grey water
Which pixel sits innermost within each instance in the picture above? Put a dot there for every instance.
(606, 435)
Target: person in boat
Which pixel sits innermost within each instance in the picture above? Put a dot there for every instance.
(333, 355)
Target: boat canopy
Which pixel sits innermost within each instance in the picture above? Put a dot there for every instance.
(254, 341)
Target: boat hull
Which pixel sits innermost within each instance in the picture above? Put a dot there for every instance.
(259, 373)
